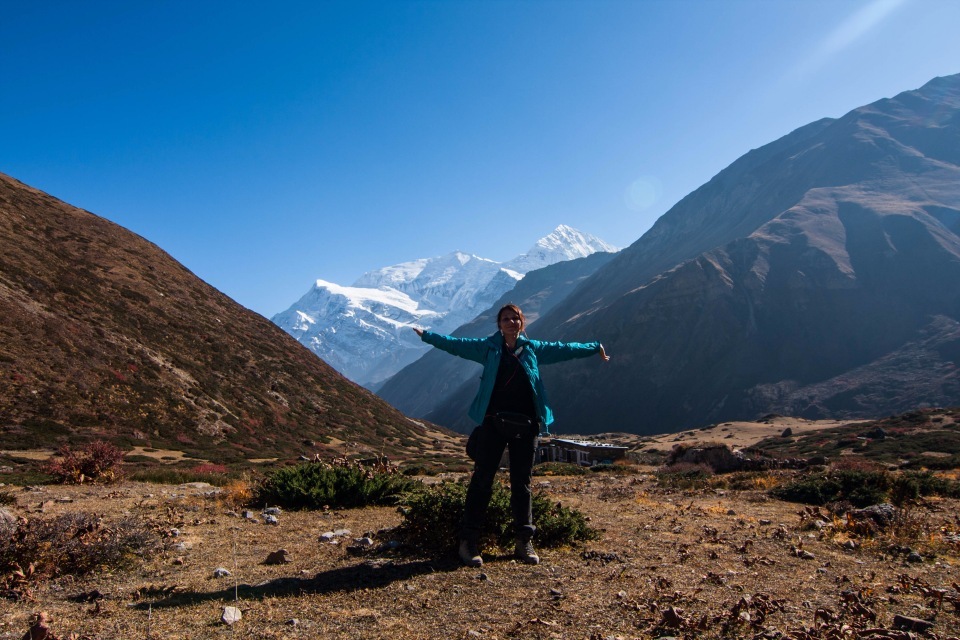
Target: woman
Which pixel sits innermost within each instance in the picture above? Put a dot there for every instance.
(511, 407)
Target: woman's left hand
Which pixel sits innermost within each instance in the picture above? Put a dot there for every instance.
(603, 355)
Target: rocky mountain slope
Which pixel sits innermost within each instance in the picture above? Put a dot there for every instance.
(364, 330)
(817, 276)
(103, 335)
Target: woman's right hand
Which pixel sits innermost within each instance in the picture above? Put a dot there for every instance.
(419, 332)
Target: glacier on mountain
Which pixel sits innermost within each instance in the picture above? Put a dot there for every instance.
(363, 330)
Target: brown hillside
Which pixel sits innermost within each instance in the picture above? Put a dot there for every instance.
(104, 335)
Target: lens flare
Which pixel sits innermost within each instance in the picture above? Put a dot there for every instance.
(643, 193)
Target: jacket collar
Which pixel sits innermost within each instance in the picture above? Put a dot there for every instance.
(497, 340)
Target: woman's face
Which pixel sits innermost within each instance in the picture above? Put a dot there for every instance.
(510, 322)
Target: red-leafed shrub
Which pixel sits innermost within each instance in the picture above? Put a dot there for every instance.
(98, 461)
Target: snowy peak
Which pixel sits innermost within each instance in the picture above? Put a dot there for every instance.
(564, 243)
(364, 330)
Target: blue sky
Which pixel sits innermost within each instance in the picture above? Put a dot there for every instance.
(265, 145)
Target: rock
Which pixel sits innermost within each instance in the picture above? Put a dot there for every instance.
(876, 434)
(178, 561)
(40, 630)
(765, 522)
(249, 515)
(272, 511)
(340, 533)
(328, 536)
(271, 519)
(220, 572)
(196, 485)
(786, 433)
(904, 623)
(360, 546)
(881, 514)
(292, 622)
(230, 615)
(279, 556)
(914, 557)
(7, 519)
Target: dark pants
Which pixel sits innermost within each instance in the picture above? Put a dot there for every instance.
(490, 441)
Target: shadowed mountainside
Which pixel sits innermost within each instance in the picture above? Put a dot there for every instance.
(104, 335)
(817, 276)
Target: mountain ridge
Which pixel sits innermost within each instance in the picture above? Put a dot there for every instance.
(788, 283)
(104, 335)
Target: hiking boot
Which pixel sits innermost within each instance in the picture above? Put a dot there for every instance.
(470, 554)
(525, 553)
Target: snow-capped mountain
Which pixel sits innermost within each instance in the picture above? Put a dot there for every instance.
(363, 330)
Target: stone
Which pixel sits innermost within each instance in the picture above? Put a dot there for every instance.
(271, 519)
(272, 511)
(905, 623)
(230, 615)
(221, 572)
(279, 556)
(914, 557)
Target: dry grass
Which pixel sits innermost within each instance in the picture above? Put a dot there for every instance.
(709, 563)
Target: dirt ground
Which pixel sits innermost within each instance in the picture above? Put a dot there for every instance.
(708, 563)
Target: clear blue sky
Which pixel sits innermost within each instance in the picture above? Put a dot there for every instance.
(265, 145)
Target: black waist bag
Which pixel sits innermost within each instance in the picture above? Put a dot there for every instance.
(513, 425)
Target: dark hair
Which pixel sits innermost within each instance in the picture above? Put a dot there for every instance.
(515, 309)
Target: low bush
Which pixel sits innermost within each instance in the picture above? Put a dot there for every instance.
(163, 474)
(859, 488)
(559, 469)
(97, 461)
(71, 544)
(336, 484)
(431, 518)
(684, 475)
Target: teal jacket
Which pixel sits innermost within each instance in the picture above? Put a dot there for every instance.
(534, 353)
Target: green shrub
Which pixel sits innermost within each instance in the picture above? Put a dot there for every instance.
(684, 475)
(431, 518)
(860, 488)
(559, 469)
(337, 484)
